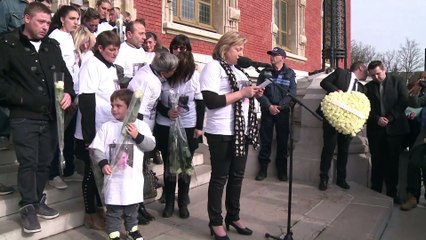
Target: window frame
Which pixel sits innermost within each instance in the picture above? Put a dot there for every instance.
(278, 23)
(194, 23)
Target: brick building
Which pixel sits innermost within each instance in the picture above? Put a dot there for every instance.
(295, 25)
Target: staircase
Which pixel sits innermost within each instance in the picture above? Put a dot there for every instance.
(68, 202)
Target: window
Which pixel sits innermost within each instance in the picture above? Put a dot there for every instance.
(193, 12)
(280, 12)
(289, 27)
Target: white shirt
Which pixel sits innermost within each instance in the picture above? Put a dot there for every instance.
(188, 114)
(125, 185)
(104, 26)
(147, 81)
(130, 58)
(95, 77)
(66, 43)
(213, 78)
(149, 56)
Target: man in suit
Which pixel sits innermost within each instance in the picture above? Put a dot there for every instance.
(386, 126)
(340, 80)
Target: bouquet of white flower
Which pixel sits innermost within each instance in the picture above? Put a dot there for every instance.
(59, 95)
(346, 111)
(179, 154)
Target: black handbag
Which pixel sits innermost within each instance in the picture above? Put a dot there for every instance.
(150, 183)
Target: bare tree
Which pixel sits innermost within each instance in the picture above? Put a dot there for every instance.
(390, 60)
(362, 52)
(410, 58)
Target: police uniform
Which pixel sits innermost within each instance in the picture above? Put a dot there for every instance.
(283, 81)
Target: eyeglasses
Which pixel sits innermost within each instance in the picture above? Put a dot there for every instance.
(181, 48)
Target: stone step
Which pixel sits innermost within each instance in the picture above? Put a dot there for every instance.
(9, 203)
(71, 216)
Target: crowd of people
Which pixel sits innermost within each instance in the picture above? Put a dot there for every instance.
(104, 65)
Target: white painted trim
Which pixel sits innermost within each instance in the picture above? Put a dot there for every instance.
(293, 56)
(176, 28)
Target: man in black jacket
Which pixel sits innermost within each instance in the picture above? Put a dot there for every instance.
(29, 59)
(340, 80)
(386, 126)
(275, 112)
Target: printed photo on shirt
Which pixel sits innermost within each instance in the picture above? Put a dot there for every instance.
(121, 155)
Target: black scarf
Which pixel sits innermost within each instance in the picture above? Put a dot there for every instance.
(239, 138)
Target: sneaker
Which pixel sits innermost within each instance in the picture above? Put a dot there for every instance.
(5, 190)
(75, 177)
(58, 183)
(4, 143)
(29, 219)
(134, 234)
(44, 211)
(114, 235)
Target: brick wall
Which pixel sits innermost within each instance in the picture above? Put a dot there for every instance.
(255, 24)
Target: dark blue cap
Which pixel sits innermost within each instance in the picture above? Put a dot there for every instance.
(277, 51)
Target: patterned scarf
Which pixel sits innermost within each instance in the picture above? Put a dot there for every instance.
(239, 145)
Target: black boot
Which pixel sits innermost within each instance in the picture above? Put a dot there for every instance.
(157, 159)
(144, 213)
(262, 173)
(169, 189)
(183, 197)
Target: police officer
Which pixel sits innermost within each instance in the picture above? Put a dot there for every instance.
(275, 112)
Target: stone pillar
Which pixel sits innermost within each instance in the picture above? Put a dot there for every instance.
(307, 152)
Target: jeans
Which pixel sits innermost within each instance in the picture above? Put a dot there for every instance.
(113, 217)
(226, 168)
(35, 142)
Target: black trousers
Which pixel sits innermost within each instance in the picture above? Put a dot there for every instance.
(416, 166)
(331, 138)
(226, 169)
(68, 152)
(162, 137)
(281, 123)
(34, 142)
(385, 150)
(91, 197)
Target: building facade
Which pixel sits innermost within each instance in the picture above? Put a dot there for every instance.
(294, 25)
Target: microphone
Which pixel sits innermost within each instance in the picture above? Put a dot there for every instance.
(245, 62)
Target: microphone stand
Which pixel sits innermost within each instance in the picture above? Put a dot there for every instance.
(289, 234)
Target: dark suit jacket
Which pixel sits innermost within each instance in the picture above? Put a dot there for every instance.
(338, 80)
(395, 101)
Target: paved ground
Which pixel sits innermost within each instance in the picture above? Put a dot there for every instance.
(335, 214)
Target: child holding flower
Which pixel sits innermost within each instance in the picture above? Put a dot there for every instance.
(123, 192)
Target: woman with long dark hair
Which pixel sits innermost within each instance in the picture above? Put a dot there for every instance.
(191, 113)
(64, 23)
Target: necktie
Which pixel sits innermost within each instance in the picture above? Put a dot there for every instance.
(382, 105)
(355, 86)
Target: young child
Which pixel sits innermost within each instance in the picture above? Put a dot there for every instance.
(124, 187)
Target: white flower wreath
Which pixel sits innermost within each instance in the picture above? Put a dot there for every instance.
(346, 111)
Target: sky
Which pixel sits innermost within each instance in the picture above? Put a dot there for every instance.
(385, 24)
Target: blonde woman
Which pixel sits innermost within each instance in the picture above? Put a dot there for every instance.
(228, 96)
(84, 41)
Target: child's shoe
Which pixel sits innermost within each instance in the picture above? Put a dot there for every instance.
(134, 234)
(114, 235)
